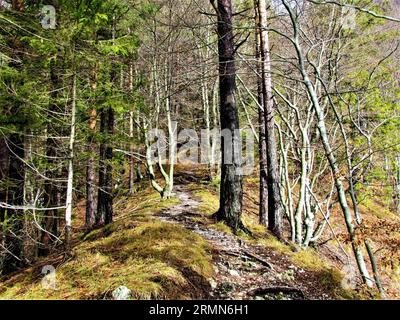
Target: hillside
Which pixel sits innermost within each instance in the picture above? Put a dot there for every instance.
(175, 250)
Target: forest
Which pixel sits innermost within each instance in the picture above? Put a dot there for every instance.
(199, 149)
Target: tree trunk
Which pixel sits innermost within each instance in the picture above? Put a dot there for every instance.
(70, 184)
(51, 190)
(275, 210)
(90, 169)
(231, 192)
(105, 195)
(131, 135)
(15, 197)
(91, 175)
(374, 266)
(131, 158)
(215, 163)
(262, 147)
(4, 164)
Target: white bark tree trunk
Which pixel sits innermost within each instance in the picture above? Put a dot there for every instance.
(68, 212)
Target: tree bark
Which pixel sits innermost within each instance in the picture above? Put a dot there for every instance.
(4, 164)
(70, 184)
(262, 147)
(51, 190)
(231, 192)
(105, 195)
(275, 209)
(90, 169)
(90, 218)
(131, 135)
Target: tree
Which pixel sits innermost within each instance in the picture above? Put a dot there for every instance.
(231, 190)
(15, 173)
(275, 210)
(263, 209)
(321, 124)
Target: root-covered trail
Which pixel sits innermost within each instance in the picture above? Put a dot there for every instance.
(244, 270)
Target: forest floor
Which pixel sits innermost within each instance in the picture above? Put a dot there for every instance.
(175, 250)
(243, 270)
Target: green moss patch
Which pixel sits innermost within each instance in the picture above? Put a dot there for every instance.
(153, 259)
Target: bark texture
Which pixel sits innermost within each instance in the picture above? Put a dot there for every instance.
(275, 209)
(231, 193)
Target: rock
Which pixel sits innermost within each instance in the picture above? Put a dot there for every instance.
(250, 265)
(234, 273)
(213, 284)
(288, 275)
(122, 293)
(222, 267)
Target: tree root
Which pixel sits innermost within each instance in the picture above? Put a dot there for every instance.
(267, 290)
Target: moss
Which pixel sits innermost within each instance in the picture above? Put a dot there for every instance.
(252, 223)
(209, 201)
(329, 276)
(252, 180)
(215, 183)
(376, 209)
(288, 275)
(308, 259)
(273, 243)
(162, 241)
(152, 258)
(95, 276)
(221, 226)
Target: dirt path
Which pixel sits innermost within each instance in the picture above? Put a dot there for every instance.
(243, 270)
